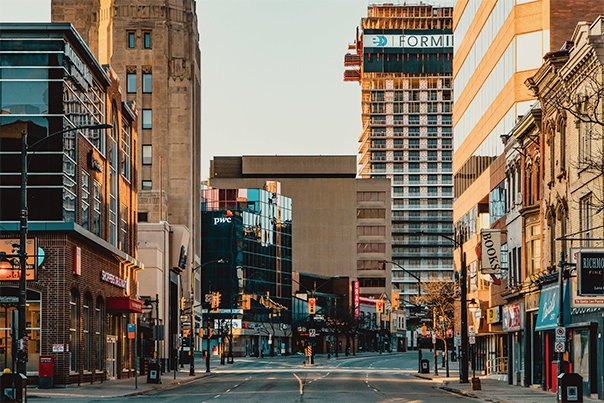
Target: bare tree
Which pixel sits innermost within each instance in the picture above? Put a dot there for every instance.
(439, 297)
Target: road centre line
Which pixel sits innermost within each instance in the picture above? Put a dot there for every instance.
(301, 385)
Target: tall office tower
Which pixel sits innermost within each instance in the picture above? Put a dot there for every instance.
(402, 57)
(153, 46)
(498, 45)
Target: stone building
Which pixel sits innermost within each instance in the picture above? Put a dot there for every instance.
(82, 202)
(153, 46)
(569, 86)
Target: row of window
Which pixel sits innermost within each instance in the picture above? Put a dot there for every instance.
(131, 39)
(132, 83)
(413, 107)
(412, 95)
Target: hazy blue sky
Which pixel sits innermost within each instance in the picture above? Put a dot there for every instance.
(271, 74)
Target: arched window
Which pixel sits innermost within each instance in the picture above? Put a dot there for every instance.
(74, 329)
(561, 128)
(87, 332)
(99, 333)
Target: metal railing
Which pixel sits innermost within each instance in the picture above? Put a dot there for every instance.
(497, 366)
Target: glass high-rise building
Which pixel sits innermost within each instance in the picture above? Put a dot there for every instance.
(403, 60)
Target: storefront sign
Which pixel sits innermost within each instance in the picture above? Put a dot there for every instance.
(77, 260)
(513, 317)
(408, 41)
(548, 308)
(357, 301)
(12, 272)
(494, 315)
(58, 348)
(124, 304)
(590, 272)
(591, 300)
(490, 241)
(114, 280)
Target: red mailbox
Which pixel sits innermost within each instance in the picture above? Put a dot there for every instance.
(46, 372)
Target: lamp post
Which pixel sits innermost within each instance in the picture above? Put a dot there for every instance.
(192, 344)
(463, 290)
(22, 332)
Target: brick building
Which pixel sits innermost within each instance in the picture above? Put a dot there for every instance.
(82, 202)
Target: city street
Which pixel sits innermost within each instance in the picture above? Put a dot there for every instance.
(375, 378)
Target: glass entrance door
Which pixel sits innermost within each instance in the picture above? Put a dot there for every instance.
(111, 357)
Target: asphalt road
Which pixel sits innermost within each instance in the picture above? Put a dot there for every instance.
(386, 378)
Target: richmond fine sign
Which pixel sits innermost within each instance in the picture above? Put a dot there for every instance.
(591, 273)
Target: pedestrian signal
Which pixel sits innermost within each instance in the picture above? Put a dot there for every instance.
(312, 302)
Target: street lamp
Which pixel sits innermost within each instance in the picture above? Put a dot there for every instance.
(22, 332)
(192, 346)
(463, 279)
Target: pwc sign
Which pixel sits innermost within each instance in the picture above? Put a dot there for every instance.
(225, 219)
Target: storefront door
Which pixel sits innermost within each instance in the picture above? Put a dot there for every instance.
(111, 357)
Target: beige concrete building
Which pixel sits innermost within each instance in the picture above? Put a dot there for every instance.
(153, 46)
(341, 224)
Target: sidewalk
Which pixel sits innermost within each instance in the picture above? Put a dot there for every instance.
(492, 390)
(126, 387)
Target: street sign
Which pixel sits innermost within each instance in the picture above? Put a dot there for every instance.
(560, 334)
(472, 340)
(559, 347)
(312, 332)
(458, 341)
(208, 297)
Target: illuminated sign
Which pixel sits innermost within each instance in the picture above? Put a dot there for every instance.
(224, 219)
(114, 280)
(357, 301)
(408, 41)
(12, 272)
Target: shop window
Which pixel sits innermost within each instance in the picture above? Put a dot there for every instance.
(87, 332)
(74, 330)
(100, 337)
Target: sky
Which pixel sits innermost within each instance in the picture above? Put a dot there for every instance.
(272, 74)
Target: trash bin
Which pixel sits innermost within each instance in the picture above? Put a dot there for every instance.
(425, 365)
(570, 388)
(46, 372)
(13, 387)
(154, 373)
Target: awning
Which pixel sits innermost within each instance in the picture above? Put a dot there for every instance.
(549, 306)
(124, 305)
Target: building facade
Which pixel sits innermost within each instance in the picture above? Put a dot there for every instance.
(154, 48)
(402, 58)
(330, 204)
(81, 196)
(498, 46)
(250, 231)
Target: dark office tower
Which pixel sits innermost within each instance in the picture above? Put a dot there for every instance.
(403, 59)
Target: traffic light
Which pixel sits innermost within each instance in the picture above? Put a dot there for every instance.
(379, 306)
(182, 304)
(312, 304)
(200, 332)
(216, 300)
(246, 302)
(396, 299)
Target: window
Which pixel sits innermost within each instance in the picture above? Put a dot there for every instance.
(131, 38)
(147, 119)
(143, 216)
(586, 220)
(73, 330)
(124, 229)
(370, 196)
(147, 83)
(147, 154)
(100, 337)
(147, 185)
(87, 332)
(371, 231)
(131, 83)
(371, 213)
(372, 282)
(85, 200)
(147, 40)
(126, 138)
(113, 189)
(533, 250)
(98, 201)
(371, 248)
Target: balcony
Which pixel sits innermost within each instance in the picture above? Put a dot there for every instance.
(352, 60)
